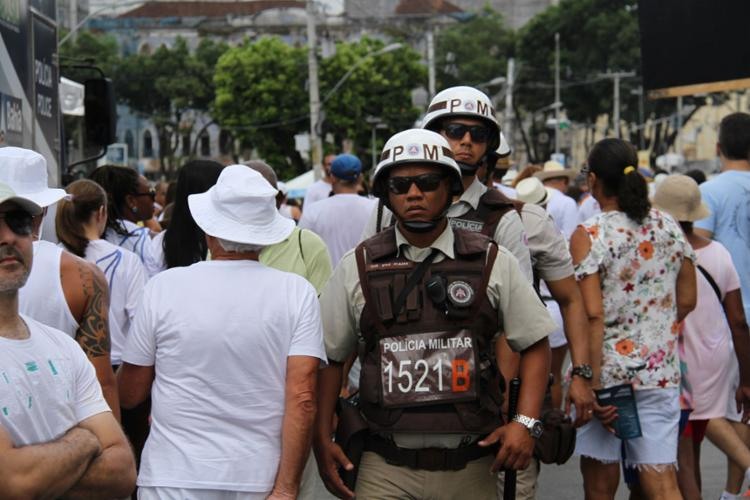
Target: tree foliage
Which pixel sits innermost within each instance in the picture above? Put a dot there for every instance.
(261, 95)
(379, 87)
(89, 48)
(167, 83)
(474, 51)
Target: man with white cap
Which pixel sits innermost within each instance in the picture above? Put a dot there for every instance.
(63, 290)
(58, 438)
(340, 219)
(422, 303)
(562, 208)
(229, 350)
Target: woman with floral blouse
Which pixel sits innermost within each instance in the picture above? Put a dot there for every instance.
(636, 274)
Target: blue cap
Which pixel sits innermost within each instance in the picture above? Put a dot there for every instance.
(346, 167)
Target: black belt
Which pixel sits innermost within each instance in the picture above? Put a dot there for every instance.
(432, 459)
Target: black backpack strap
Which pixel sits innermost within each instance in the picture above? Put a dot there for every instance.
(301, 251)
(711, 281)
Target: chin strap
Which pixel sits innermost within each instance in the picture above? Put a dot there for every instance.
(467, 169)
(419, 226)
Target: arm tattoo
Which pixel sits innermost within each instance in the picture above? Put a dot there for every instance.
(93, 332)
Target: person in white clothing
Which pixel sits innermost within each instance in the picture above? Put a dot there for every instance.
(80, 221)
(62, 291)
(130, 201)
(561, 207)
(340, 219)
(58, 438)
(231, 364)
(320, 189)
(588, 208)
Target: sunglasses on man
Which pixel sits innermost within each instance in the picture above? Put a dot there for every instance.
(19, 221)
(456, 131)
(424, 182)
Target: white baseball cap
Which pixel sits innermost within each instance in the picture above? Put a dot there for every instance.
(241, 207)
(25, 172)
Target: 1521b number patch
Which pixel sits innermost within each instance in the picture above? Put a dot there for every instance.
(423, 368)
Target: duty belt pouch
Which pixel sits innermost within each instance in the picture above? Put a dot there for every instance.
(558, 441)
(351, 433)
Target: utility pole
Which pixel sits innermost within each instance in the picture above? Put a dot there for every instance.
(430, 61)
(557, 93)
(509, 116)
(316, 144)
(616, 77)
(73, 13)
(678, 138)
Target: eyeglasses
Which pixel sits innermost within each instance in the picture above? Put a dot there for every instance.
(456, 131)
(151, 192)
(424, 182)
(18, 221)
(585, 170)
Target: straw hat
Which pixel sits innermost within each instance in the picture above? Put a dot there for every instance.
(241, 207)
(553, 169)
(531, 190)
(679, 196)
(25, 172)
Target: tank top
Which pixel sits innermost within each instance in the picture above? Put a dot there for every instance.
(42, 296)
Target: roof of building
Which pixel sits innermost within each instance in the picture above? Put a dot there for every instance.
(416, 7)
(209, 9)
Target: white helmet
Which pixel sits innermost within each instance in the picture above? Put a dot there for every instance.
(416, 146)
(466, 102)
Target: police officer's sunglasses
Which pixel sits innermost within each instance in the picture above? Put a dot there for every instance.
(424, 182)
(19, 221)
(456, 131)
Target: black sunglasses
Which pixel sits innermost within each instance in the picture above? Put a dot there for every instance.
(456, 131)
(19, 221)
(424, 182)
(151, 192)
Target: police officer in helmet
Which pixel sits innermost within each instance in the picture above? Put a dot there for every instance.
(420, 303)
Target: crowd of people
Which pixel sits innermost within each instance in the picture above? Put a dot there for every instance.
(440, 330)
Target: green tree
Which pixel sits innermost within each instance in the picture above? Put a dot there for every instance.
(378, 87)
(165, 86)
(89, 48)
(261, 97)
(473, 51)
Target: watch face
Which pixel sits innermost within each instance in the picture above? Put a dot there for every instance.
(537, 429)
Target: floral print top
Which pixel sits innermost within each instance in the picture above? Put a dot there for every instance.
(638, 267)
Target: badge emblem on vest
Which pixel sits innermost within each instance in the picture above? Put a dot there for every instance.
(460, 294)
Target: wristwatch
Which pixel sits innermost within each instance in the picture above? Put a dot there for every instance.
(533, 425)
(583, 371)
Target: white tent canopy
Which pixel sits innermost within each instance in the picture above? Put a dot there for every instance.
(297, 187)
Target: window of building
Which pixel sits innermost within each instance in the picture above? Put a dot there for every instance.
(148, 145)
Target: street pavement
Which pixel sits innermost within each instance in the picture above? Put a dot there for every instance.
(564, 482)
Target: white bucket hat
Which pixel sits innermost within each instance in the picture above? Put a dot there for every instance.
(531, 190)
(241, 207)
(25, 172)
(553, 169)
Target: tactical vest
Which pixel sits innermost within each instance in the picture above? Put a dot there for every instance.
(429, 368)
(492, 205)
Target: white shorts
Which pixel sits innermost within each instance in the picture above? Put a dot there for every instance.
(163, 493)
(659, 413)
(557, 337)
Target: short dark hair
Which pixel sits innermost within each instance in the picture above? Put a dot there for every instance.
(118, 182)
(734, 136)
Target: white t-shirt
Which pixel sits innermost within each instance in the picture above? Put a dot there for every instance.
(318, 190)
(339, 221)
(138, 241)
(564, 212)
(219, 334)
(126, 277)
(47, 385)
(157, 251)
